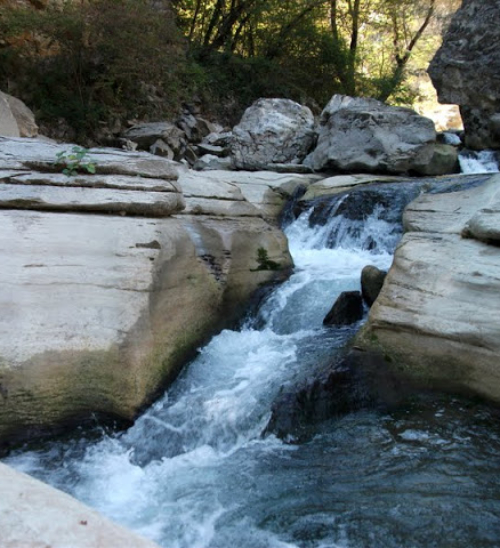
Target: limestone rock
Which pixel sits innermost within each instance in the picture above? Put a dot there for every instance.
(364, 135)
(437, 317)
(372, 280)
(8, 124)
(35, 515)
(148, 135)
(466, 71)
(100, 311)
(346, 310)
(272, 131)
(24, 117)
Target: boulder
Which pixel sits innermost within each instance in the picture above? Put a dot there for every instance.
(365, 135)
(444, 161)
(34, 515)
(23, 116)
(149, 136)
(437, 317)
(466, 71)
(272, 131)
(372, 280)
(111, 280)
(347, 309)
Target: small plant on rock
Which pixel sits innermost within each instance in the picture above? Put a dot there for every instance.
(264, 262)
(75, 162)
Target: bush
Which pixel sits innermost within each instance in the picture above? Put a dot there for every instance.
(91, 62)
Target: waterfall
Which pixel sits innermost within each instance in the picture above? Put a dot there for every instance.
(478, 162)
(196, 471)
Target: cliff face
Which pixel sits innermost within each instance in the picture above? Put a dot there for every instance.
(466, 71)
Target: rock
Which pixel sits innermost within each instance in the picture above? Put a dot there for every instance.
(222, 139)
(8, 124)
(272, 131)
(100, 311)
(372, 280)
(364, 135)
(160, 148)
(214, 150)
(466, 71)
(34, 515)
(437, 317)
(210, 162)
(150, 134)
(264, 192)
(347, 309)
(444, 161)
(24, 117)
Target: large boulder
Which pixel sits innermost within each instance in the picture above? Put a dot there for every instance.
(111, 280)
(272, 131)
(16, 119)
(466, 71)
(437, 317)
(365, 135)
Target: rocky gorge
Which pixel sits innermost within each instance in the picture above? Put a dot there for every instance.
(116, 271)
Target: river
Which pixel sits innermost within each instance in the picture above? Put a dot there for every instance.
(196, 471)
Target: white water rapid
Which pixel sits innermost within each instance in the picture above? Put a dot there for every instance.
(196, 472)
(484, 161)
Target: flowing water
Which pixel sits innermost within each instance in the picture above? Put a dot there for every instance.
(478, 162)
(196, 471)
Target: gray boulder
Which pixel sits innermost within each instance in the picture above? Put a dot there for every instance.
(149, 136)
(272, 131)
(365, 135)
(466, 71)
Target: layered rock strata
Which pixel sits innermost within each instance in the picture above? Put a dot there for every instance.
(437, 317)
(110, 280)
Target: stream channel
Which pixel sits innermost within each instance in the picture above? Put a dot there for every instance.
(195, 470)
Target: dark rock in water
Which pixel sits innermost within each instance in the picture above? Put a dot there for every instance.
(347, 309)
(359, 380)
(372, 280)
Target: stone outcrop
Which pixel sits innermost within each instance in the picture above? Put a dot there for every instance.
(272, 131)
(466, 71)
(16, 119)
(372, 280)
(437, 317)
(364, 135)
(34, 515)
(111, 280)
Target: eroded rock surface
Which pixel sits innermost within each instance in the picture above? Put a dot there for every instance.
(102, 304)
(437, 317)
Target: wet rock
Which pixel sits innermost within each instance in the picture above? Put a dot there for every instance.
(372, 280)
(346, 310)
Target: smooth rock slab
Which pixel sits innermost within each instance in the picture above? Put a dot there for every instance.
(34, 515)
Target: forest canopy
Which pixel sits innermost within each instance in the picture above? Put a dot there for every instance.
(87, 61)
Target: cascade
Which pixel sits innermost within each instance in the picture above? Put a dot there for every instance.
(478, 162)
(195, 470)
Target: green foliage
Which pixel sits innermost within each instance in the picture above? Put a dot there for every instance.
(264, 262)
(75, 162)
(91, 62)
